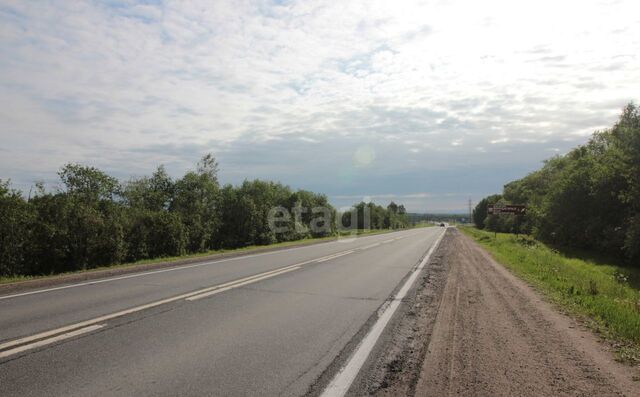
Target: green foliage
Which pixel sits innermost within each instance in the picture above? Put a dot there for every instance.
(96, 222)
(307, 219)
(588, 199)
(371, 216)
(195, 201)
(481, 211)
(88, 183)
(153, 234)
(70, 233)
(152, 194)
(16, 217)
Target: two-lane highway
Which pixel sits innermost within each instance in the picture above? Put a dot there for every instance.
(268, 323)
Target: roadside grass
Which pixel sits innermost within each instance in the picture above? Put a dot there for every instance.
(295, 243)
(604, 295)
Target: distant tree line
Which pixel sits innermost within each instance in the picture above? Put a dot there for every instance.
(97, 221)
(372, 216)
(415, 218)
(588, 198)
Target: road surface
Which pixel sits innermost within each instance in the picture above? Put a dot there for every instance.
(383, 315)
(267, 324)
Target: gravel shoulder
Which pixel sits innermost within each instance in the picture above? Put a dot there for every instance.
(472, 328)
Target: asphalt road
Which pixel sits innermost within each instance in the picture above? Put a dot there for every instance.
(264, 324)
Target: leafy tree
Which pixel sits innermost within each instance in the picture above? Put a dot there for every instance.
(154, 234)
(15, 231)
(481, 210)
(589, 198)
(372, 216)
(195, 201)
(264, 196)
(150, 193)
(626, 135)
(88, 183)
(238, 215)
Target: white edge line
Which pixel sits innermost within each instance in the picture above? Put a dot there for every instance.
(49, 341)
(341, 383)
(178, 267)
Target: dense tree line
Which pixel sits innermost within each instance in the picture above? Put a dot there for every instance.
(373, 216)
(588, 198)
(95, 220)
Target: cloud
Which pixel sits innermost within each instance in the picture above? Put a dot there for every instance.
(433, 93)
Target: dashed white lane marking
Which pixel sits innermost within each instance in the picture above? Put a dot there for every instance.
(49, 341)
(341, 383)
(366, 247)
(334, 256)
(240, 284)
(121, 313)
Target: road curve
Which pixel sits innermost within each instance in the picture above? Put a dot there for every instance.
(263, 324)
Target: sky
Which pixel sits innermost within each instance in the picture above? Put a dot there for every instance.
(427, 103)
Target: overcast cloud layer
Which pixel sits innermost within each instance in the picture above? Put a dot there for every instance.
(426, 103)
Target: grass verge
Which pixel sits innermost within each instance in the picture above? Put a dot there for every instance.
(595, 290)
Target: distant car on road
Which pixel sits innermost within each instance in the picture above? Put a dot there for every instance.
(442, 225)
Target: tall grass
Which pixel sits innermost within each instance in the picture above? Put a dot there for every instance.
(601, 291)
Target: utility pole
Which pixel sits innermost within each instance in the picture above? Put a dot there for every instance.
(470, 210)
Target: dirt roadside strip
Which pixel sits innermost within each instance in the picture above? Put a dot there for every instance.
(67, 278)
(472, 328)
